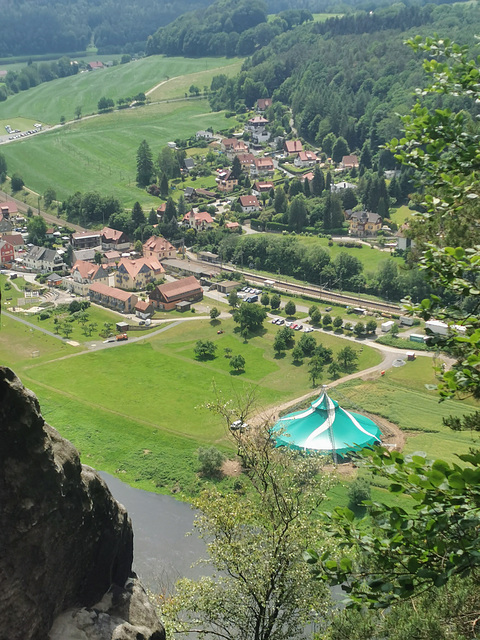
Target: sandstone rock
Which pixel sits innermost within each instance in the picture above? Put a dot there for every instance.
(64, 541)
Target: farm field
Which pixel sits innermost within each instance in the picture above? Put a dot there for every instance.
(49, 101)
(99, 154)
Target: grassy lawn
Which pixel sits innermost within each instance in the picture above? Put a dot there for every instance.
(51, 100)
(166, 385)
(401, 214)
(99, 154)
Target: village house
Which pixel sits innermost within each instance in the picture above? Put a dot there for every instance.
(158, 248)
(189, 193)
(263, 104)
(96, 64)
(249, 204)
(227, 286)
(8, 209)
(261, 187)
(85, 274)
(225, 180)
(307, 176)
(7, 254)
(259, 137)
(144, 309)
(232, 226)
(161, 211)
(204, 193)
(363, 223)
(199, 221)
(262, 167)
(233, 146)
(114, 240)
(349, 162)
(339, 186)
(256, 124)
(110, 259)
(204, 135)
(245, 160)
(136, 274)
(16, 240)
(292, 147)
(5, 225)
(403, 241)
(306, 159)
(84, 254)
(43, 260)
(167, 296)
(123, 301)
(189, 164)
(86, 239)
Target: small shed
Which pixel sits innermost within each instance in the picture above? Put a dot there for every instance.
(226, 286)
(122, 327)
(184, 305)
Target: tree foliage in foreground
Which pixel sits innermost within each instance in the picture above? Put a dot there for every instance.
(261, 589)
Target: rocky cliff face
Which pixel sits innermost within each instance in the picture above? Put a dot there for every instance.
(66, 546)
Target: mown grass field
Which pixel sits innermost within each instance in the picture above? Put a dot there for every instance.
(99, 154)
(51, 100)
(137, 410)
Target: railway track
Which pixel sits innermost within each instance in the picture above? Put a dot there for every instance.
(318, 293)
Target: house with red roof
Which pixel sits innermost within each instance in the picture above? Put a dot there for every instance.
(261, 187)
(158, 248)
(233, 146)
(136, 274)
(292, 147)
(16, 240)
(246, 160)
(144, 309)
(114, 240)
(256, 124)
(225, 180)
(199, 221)
(232, 226)
(167, 296)
(86, 239)
(123, 301)
(8, 209)
(85, 274)
(96, 64)
(349, 162)
(7, 254)
(249, 203)
(306, 159)
(263, 104)
(262, 167)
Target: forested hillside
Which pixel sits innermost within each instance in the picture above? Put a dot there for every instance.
(348, 76)
(41, 26)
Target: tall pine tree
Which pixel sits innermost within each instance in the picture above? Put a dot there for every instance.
(144, 164)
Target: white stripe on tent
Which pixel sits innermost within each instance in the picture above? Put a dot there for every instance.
(326, 425)
(358, 425)
(305, 414)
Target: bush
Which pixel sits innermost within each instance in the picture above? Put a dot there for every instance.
(211, 460)
(358, 491)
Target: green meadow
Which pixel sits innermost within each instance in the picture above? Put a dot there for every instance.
(49, 101)
(99, 153)
(137, 410)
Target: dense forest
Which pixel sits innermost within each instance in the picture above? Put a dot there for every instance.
(40, 26)
(227, 27)
(349, 76)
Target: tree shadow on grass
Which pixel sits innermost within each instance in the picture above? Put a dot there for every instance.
(279, 356)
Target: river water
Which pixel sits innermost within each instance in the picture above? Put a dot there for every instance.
(163, 550)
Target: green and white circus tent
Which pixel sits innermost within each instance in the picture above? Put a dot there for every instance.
(326, 428)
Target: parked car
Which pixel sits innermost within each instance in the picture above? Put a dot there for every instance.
(298, 327)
